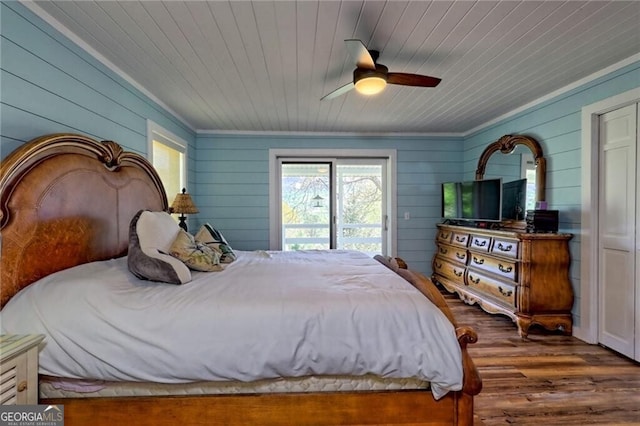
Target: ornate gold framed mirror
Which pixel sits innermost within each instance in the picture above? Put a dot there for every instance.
(506, 145)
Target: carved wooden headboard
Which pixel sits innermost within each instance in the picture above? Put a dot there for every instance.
(65, 200)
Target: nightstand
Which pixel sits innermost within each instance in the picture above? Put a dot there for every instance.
(19, 368)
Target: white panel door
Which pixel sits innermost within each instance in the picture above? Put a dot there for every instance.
(617, 230)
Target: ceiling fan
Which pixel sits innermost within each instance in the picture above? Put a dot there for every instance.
(370, 77)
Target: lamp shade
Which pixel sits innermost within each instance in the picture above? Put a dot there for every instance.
(183, 204)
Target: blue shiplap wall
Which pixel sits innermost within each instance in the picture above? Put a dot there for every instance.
(556, 124)
(232, 172)
(48, 84)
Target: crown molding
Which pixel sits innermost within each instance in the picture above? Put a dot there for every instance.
(324, 134)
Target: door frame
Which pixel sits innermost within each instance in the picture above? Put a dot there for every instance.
(275, 242)
(587, 327)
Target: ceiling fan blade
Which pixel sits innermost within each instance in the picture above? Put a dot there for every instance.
(339, 91)
(405, 79)
(359, 52)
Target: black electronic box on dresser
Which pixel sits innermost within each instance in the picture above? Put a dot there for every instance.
(518, 268)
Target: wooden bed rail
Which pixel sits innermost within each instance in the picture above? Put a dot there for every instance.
(466, 335)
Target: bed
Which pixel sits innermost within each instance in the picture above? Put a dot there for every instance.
(66, 205)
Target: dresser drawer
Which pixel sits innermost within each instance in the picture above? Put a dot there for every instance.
(480, 242)
(448, 269)
(456, 254)
(498, 290)
(444, 236)
(505, 247)
(503, 267)
(460, 239)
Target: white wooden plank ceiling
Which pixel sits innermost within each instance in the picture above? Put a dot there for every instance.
(264, 65)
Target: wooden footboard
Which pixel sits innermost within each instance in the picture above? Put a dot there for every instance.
(335, 408)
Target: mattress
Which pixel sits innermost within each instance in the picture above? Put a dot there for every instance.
(52, 387)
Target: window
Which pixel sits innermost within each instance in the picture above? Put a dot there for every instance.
(168, 154)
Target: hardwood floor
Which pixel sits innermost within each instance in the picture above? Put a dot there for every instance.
(548, 378)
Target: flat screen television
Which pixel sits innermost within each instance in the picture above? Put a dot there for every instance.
(514, 200)
(478, 200)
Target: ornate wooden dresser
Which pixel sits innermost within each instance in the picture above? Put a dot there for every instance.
(522, 275)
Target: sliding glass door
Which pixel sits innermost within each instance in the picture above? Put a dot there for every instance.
(334, 203)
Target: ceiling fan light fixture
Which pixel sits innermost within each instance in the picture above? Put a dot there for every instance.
(370, 81)
(370, 77)
(371, 85)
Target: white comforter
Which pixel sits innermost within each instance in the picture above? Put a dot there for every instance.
(267, 315)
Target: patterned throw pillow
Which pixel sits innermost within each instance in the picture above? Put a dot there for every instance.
(213, 238)
(195, 255)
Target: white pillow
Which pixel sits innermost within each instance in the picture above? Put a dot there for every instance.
(157, 231)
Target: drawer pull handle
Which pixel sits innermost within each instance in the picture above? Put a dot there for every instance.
(478, 261)
(503, 269)
(461, 239)
(22, 386)
(504, 248)
(506, 293)
(438, 265)
(443, 250)
(480, 243)
(444, 236)
(461, 256)
(475, 281)
(457, 273)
